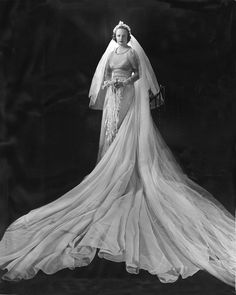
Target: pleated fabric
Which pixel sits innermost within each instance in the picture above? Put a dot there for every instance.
(136, 206)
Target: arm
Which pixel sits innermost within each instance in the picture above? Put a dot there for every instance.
(134, 61)
(132, 79)
(107, 74)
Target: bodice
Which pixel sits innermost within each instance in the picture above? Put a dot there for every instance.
(122, 64)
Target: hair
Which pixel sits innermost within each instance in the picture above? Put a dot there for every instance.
(124, 28)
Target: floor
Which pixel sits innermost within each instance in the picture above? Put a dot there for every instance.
(68, 283)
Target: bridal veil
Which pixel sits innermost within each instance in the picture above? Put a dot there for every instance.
(136, 206)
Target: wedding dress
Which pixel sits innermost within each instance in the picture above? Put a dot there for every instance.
(136, 206)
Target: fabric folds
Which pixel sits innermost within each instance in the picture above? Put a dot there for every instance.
(136, 206)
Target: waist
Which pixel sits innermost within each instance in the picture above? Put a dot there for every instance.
(120, 74)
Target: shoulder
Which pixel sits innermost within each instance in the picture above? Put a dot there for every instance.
(133, 53)
(109, 57)
(133, 56)
(111, 53)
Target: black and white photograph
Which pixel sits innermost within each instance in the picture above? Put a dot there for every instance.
(117, 147)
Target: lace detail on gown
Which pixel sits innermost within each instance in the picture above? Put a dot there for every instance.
(120, 67)
(136, 206)
(112, 118)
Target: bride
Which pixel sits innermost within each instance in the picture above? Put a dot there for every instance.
(136, 206)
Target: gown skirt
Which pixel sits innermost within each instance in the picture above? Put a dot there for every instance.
(128, 210)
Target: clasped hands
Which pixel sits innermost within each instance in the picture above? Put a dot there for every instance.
(114, 83)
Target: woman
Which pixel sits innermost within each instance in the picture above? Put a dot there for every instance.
(136, 206)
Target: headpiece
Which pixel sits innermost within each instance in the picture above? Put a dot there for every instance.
(122, 25)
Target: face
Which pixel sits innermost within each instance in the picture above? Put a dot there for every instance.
(122, 37)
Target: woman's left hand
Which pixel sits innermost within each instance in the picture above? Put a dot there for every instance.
(118, 84)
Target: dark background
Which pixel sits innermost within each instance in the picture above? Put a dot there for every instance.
(49, 50)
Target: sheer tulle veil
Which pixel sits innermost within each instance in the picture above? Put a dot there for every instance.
(136, 206)
(148, 79)
(151, 143)
(159, 172)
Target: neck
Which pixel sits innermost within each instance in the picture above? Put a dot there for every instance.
(123, 46)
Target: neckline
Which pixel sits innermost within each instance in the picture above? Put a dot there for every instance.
(122, 52)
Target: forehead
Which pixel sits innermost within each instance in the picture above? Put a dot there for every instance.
(121, 31)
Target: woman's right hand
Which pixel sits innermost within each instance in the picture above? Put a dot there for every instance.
(114, 83)
(107, 83)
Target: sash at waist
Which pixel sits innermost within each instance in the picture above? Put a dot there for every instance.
(120, 74)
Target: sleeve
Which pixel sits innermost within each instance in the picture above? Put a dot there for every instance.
(134, 61)
(108, 71)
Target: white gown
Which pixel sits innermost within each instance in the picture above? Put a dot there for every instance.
(136, 206)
